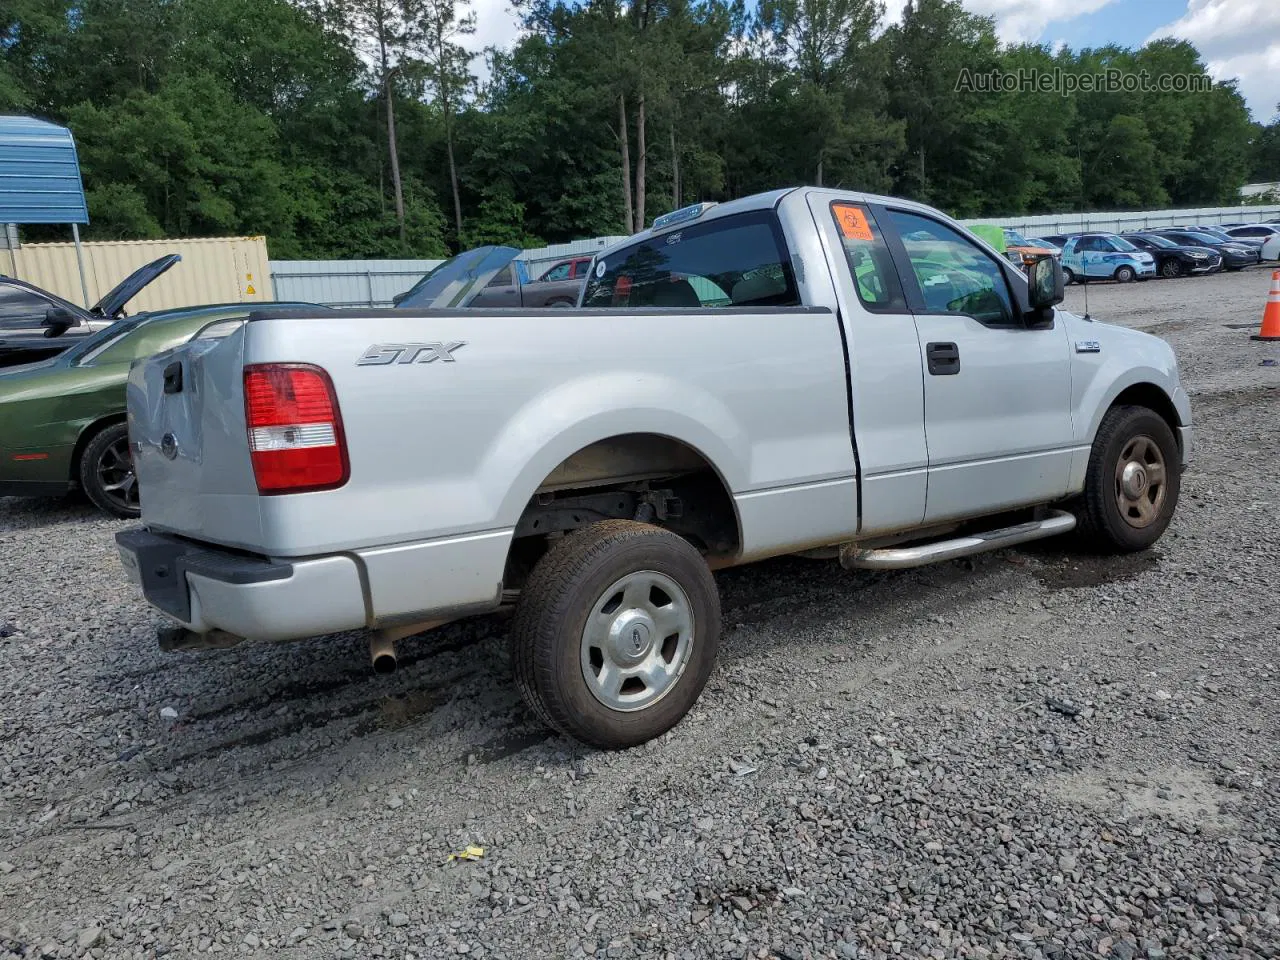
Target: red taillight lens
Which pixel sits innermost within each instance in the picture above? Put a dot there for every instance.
(295, 428)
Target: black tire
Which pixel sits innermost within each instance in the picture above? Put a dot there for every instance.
(1171, 268)
(548, 647)
(562, 304)
(106, 472)
(1068, 277)
(1103, 525)
(1125, 274)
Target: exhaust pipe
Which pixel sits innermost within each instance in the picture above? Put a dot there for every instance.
(382, 653)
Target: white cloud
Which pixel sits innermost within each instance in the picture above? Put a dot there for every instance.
(1022, 21)
(1017, 21)
(1236, 38)
(496, 26)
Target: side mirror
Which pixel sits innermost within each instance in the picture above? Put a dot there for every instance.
(58, 320)
(1044, 279)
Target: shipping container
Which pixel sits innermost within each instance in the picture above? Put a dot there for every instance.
(213, 270)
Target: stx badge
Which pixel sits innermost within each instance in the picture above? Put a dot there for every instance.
(381, 354)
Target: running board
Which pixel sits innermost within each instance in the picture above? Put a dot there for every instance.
(900, 558)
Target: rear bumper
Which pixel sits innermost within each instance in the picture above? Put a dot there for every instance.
(206, 587)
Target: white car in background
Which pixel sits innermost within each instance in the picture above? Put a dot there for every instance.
(1268, 233)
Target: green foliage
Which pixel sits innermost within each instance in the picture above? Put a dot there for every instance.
(205, 117)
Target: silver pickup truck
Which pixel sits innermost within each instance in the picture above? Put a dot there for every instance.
(805, 371)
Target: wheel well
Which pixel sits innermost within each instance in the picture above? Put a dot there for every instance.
(86, 435)
(1153, 398)
(646, 477)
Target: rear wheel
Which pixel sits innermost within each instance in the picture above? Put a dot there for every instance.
(1125, 274)
(616, 633)
(106, 472)
(1171, 268)
(1132, 483)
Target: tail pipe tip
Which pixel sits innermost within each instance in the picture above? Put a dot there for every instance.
(382, 654)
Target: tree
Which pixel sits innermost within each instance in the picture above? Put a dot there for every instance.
(948, 145)
(1264, 146)
(383, 26)
(444, 67)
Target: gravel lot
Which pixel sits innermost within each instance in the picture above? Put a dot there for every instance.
(1034, 753)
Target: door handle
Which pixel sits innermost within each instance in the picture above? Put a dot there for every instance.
(944, 359)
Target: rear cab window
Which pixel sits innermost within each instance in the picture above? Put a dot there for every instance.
(734, 261)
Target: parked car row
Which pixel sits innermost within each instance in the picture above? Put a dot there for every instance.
(1164, 251)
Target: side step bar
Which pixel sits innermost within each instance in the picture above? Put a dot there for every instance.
(900, 558)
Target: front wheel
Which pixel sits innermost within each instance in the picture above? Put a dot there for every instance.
(1125, 274)
(1068, 277)
(616, 633)
(106, 472)
(1171, 268)
(1132, 483)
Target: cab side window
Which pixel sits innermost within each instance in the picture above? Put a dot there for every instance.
(20, 308)
(870, 264)
(954, 274)
(559, 272)
(503, 278)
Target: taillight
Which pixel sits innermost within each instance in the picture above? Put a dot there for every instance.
(295, 428)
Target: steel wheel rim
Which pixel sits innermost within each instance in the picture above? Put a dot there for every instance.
(1141, 481)
(115, 473)
(637, 641)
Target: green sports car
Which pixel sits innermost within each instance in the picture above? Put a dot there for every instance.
(62, 420)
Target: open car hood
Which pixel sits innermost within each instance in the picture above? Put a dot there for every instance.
(455, 282)
(112, 305)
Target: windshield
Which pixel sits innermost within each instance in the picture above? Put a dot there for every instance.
(1157, 241)
(1205, 238)
(1121, 243)
(106, 335)
(451, 283)
(1014, 239)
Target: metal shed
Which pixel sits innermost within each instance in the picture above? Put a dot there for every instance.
(39, 173)
(40, 181)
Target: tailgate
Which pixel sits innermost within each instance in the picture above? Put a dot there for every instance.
(186, 424)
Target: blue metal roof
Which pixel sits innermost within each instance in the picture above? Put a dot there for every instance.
(39, 173)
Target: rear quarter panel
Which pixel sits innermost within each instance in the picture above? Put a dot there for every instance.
(447, 448)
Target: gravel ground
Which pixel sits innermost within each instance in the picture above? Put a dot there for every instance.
(1033, 753)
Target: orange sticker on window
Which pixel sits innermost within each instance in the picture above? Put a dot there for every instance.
(853, 223)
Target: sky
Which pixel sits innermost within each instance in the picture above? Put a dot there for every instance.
(1236, 38)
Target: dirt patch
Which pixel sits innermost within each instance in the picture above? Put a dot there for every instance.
(1076, 572)
(1174, 793)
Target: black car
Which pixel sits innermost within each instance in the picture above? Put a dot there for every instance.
(1235, 256)
(36, 324)
(1059, 240)
(1176, 260)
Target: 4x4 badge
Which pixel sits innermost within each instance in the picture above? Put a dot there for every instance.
(380, 354)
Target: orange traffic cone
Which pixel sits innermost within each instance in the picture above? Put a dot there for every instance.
(1270, 329)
